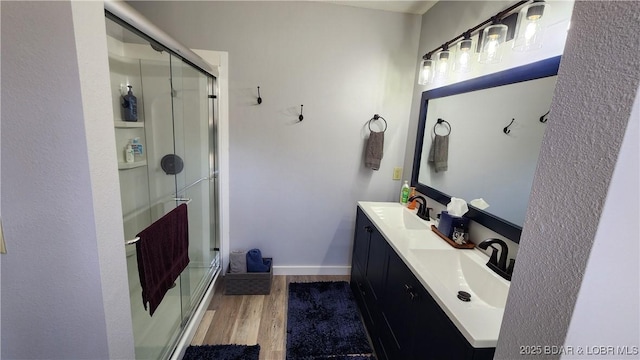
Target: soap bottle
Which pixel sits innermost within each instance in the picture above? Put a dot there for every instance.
(138, 151)
(404, 193)
(130, 106)
(128, 154)
(412, 204)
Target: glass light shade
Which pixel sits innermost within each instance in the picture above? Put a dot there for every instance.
(492, 37)
(464, 54)
(444, 62)
(426, 72)
(530, 28)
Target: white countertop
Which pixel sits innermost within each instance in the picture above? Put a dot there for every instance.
(413, 240)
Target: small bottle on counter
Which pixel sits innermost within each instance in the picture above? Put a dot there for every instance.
(128, 153)
(404, 193)
(412, 204)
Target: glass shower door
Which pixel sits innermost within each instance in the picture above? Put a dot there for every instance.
(194, 144)
(175, 119)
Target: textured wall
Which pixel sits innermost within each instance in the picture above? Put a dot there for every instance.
(589, 114)
(294, 186)
(51, 276)
(612, 275)
(64, 290)
(93, 69)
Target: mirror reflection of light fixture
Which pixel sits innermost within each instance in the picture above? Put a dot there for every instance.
(464, 54)
(426, 71)
(529, 31)
(492, 37)
(443, 62)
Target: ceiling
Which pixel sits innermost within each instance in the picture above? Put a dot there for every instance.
(410, 7)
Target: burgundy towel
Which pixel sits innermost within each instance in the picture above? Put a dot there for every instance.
(162, 252)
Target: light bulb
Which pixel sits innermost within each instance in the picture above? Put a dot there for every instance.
(426, 72)
(442, 64)
(529, 31)
(463, 56)
(493, 37)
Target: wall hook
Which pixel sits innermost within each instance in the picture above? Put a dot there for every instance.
(259, 98)
(506, 128)
(544, 118)
(301, 117)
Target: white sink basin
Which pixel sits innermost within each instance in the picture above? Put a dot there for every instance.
(463, 270)
(400, 217)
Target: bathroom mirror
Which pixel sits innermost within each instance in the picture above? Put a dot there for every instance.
(497, 122)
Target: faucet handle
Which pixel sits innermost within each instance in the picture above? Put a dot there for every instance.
(494, 255)
(512, 263)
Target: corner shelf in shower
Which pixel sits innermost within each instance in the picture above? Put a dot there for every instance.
(133, 165)
(128, 124)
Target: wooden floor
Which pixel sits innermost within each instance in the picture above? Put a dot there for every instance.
(252, 319)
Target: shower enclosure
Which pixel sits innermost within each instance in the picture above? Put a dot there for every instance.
(177, 164)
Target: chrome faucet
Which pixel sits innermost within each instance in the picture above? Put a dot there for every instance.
(423, 210)
(499, 266)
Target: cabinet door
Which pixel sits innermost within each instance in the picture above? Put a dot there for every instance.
(377, 265)
(398, 307)
(362, 235)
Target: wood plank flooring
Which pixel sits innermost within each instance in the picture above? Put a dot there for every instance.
(252, 319)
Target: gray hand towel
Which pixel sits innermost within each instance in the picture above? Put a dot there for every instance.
(238, 262)
(374, 150)
(439, 153)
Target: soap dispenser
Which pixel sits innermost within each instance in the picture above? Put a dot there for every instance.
(130, 106)
(404, 193)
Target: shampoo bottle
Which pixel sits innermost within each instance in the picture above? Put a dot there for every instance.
(138, 151)
(404, 193)
(130, 106)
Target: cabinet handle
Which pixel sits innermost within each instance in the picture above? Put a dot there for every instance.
(408, 288)
(360, 288)
(368, 229)
(413, 295)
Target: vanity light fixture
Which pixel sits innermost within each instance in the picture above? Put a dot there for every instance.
(464, 54)
(493, 36)
(529, 31)
(492, 33)
(426, 71)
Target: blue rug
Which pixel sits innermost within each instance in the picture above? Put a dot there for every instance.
(323, 322)
(222, 352)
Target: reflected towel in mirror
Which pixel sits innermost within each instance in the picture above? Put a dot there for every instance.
(439, 153)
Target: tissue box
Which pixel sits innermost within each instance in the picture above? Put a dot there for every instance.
(250, 283)
(449, 222)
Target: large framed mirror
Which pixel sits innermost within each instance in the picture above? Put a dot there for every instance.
(494, 128)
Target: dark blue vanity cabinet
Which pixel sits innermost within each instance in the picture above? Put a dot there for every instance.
(403, 320)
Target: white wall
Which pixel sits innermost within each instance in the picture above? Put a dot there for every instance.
(64, 287)
(294, 186)
(589, 114)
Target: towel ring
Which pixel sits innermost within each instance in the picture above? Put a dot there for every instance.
(376, 117)
(439, 122)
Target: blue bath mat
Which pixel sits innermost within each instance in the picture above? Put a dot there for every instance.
(222, 352)
(323, 322)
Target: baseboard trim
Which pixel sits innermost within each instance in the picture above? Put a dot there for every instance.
(311, 270)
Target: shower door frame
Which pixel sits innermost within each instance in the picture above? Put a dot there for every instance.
(214, 199)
